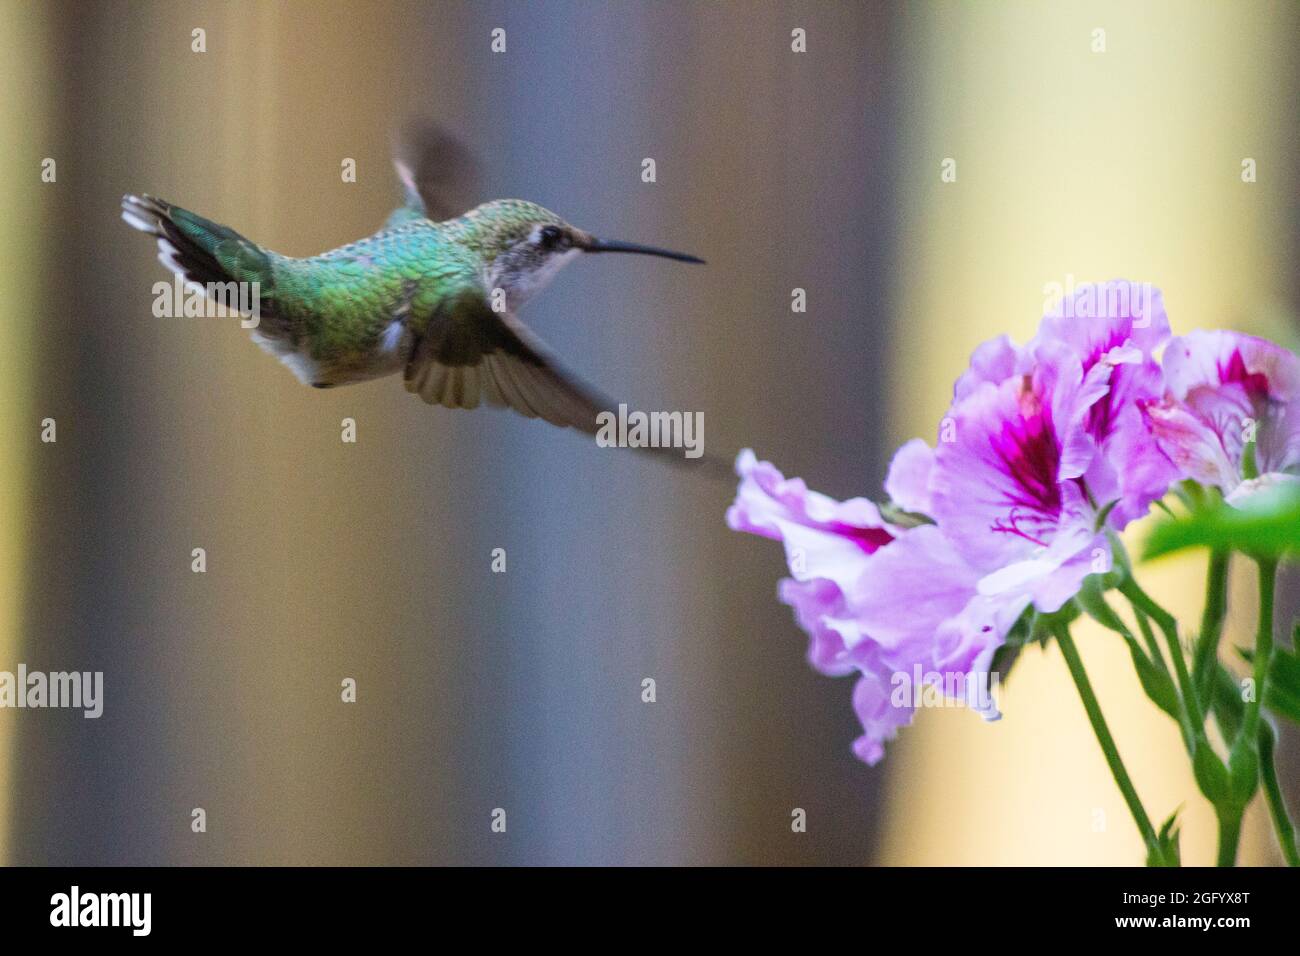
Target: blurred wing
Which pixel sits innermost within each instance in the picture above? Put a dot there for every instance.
(439, 174)
(469, 354)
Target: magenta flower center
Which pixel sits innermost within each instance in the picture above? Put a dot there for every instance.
(1030, 454)
(1235, 372)
(1101, 416)
(869, 540)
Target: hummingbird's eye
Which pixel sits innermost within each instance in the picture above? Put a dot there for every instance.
(551, 237)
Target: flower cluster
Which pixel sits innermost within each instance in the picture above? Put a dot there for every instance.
(1045, 448)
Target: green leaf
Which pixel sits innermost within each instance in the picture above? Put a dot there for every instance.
(1041, 626)
(1155, 680)
(1282, 689)
(1243, 770)
(1266, 523)
(1229, 708)
(1211, 775)
(1032, 627)
(1282, 686)
(1103, 515)
(1249, 462)
(904, 519)
(1167, 842)
(1092, 599)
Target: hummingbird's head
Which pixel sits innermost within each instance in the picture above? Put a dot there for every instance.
(524, 245)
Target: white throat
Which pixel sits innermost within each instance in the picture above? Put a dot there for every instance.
(520, 287)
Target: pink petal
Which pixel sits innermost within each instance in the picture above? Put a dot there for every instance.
(909, 477)
(909, 589)
(1216, 358)
(823, 538)
(992, 361)
(1193, 446)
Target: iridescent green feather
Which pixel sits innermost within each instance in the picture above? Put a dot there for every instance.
(340, 303)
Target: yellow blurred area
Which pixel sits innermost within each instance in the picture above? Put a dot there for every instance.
(1117, 164)
(21, 40)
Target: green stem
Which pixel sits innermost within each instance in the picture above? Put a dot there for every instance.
(1193, 720)
(1212, 618)
(1144, 625)
(1282, 825)
(1245, 759)
(1093, 709)
(1229, 834)
(1263, 646)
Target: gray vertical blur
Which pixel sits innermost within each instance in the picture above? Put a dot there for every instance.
(476, 690)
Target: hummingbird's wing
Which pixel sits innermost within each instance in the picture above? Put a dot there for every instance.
(439, 174)
(468, 354)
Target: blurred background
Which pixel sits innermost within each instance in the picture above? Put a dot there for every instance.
(817, 170)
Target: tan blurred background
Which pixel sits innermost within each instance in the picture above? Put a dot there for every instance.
(327, 560)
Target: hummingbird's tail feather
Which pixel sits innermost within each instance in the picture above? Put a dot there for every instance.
(201, 251)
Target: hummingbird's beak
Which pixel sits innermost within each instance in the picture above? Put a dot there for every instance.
(609, 245)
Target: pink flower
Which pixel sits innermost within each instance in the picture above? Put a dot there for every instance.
(1007, 484)
(1114, 329)
(826, 542)
(1041, 441)
(1225, 391)
(1042, 444)
(838, 554)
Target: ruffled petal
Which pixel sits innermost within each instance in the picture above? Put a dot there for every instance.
(1099, 321)
(908, 484)
(820, 611)
(994, 361)
(1220, 357)
(1225, 391)
(823, 538)
(879, 715)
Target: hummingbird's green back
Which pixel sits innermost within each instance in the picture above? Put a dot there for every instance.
(340, 303)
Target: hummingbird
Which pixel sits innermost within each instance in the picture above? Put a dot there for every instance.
(431, 295)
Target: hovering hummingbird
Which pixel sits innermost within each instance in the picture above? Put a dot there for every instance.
(432, 297)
